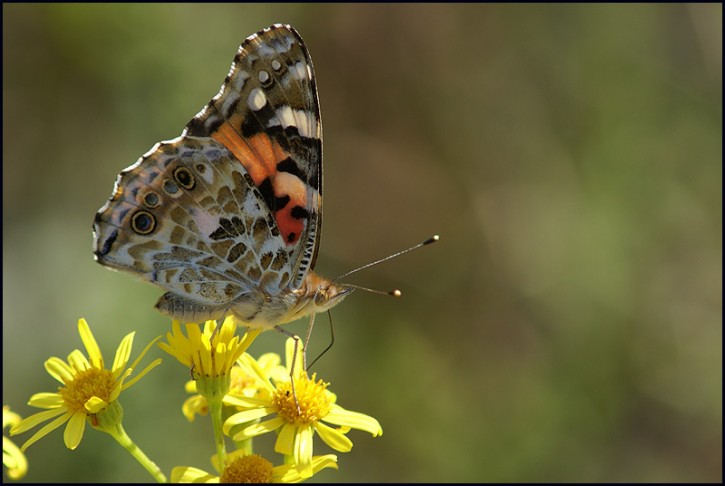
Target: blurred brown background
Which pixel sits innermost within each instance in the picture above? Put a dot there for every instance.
(567, 327)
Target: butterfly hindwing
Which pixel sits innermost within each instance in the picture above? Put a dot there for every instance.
(188, 218)
(267, 114)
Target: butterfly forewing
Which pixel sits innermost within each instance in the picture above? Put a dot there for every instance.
(267, 114)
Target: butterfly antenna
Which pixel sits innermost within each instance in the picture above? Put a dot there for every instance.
(394, 293)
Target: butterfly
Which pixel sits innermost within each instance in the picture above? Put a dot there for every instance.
(226, 218)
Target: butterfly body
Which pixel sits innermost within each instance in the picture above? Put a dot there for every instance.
(227, 217)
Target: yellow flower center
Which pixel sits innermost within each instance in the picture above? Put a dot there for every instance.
(85, 385)
(313, 401)
(248, 469)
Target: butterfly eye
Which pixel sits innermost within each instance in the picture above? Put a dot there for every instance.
(320, 297)
(184, 178)
(143, 222)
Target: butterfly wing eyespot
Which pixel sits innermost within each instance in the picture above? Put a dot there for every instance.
(151, 200)
(184, 178)
(170, 187)
(143, 222)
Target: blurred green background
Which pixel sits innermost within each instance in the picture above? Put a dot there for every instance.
(567, 327)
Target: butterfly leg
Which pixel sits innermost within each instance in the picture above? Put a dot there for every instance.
(332, 341)
(307, 341)
(293, 364)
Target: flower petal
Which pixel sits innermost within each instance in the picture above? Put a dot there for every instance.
(178, 345)
(135, 363)
(193, 405)
(355, 420)
(14, 460)
(73, 432)
(148, 368)
(285, 443)
(251, 366)
(47, 428)
(78, 361)
(46, 400)
(95, 405)
(94, 352)
(248, 339)
(123, 354)
(245, 402)
(255, 429)
(303, 451)
(333, 437)
(288, 473)
(36, 419)
(268, 361)
(246, 416)
(182, 474)
(59, 369)
(10, 418)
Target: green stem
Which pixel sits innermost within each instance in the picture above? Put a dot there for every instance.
(215, 411)
(122, 438)
(245, 445)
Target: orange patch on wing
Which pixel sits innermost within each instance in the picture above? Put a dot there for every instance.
(258, 154)
(286, 184)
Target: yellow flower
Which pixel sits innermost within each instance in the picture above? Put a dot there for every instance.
(207, 358)
(89, 391)
(250, 468)
(210, 354)
(13, 459)
(296, 427)
(242, 383)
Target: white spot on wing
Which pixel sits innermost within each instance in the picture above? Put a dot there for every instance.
(263, 76)
(256, 100)
(207, 174)
(288, 41)
(237, 80)
(265, 50)
(276, 65)
(206, 223)
(301, 69)
(303, 120)
(229, 102)
(286, 117)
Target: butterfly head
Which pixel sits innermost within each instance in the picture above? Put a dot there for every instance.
(323, 294)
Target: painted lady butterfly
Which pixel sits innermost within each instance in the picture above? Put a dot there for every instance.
(227, 217)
